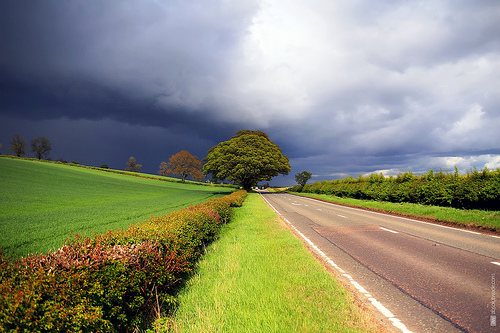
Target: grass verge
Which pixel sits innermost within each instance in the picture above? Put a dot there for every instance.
(482, 219)
(258, 277)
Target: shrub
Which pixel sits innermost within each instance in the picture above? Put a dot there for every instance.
(476, 190)
(111, 282)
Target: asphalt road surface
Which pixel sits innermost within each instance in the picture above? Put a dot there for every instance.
(422, 277)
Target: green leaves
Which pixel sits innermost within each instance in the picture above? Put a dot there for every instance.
(246, 159)
(302, 177)
(476, 190)
(110, 282)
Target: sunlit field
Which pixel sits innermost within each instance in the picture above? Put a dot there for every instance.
(41, 204)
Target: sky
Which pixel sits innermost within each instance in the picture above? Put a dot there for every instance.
(343, 87)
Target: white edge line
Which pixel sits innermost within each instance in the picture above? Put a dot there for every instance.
(394, 232)
(386, 312)
(495, 263)
(399, 217)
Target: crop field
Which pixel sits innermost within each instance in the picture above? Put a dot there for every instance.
(41, 204)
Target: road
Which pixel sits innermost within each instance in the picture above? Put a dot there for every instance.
(422, 277)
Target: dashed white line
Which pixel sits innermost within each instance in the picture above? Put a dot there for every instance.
(495, 263)
(394, 232)
(402, 218)
(386, 312)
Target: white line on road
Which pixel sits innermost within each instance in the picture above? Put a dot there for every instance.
(398, 217)
(342, 216)
(394, 232)
(386, 312)
(495, 263)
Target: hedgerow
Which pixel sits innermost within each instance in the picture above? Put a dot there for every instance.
(475, 190)
(113, 282)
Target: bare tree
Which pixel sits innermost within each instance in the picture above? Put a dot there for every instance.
(18, 145)
(41, 147)
(132, 165)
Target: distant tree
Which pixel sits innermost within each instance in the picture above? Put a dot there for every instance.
(41, 147)
(302, 177)
(182, 165)
(0, 148)
(246, 159)
(104, 166)
(132, 165)
(18, 145)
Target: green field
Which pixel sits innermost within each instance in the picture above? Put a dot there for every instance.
(258, 277)
(41, 204)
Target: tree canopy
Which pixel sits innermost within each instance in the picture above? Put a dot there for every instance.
(41, 147)
(182, 165)
(132, 165)
(18, 145)
(246, 159)
(302, 177)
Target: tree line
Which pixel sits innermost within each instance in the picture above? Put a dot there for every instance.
(246, 159)
(41, 146)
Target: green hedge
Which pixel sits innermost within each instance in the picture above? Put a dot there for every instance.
(475, 190)
(112, 282)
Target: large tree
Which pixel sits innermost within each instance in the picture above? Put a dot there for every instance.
(246, 159)
(41, 147)
(132, 165)
(18, 145)
(182, 165)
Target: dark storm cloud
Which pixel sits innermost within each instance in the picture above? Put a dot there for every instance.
(79, 58)
(343, 87)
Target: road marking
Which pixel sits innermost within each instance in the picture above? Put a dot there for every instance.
(495, 263)
(394, 232)
(495, 236)
(342, 216)
(319, 209)
(296, 204)
(386, 312)
(398, 217)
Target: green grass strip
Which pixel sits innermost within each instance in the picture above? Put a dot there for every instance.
(258, 277)
(474, 217)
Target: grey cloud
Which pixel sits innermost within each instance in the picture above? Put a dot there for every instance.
(342, 87)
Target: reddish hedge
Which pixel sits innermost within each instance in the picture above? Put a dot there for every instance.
(110, 282)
